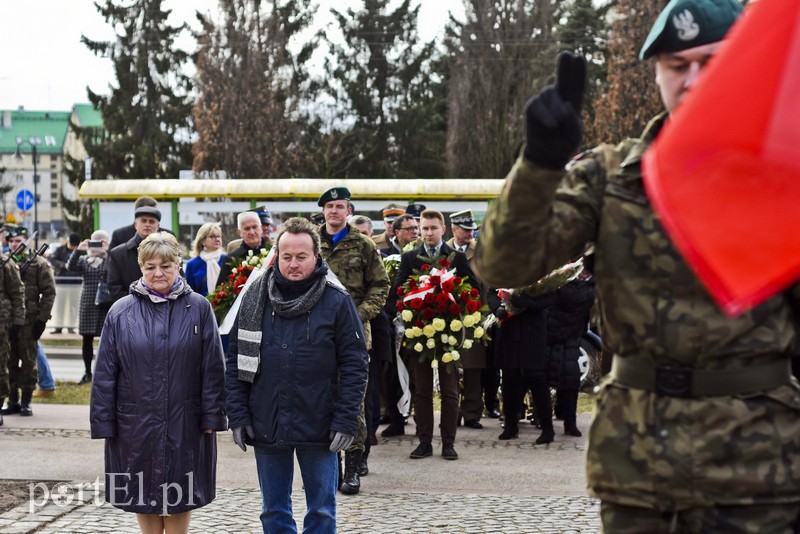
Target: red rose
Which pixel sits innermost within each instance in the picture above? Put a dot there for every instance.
(240, 268)
(419, 324)
(412, 283)
(416, 304)
(400, 305)
(473, 305)
(400, 291)
(429, 298)
(435, 280)
(457, 280)
(474, 292)
(448, 286)
(442, 298)
(441, 307)
(425, 268)
(464, 296)
(428, 313)
(215, 303)
(237, 290)
(455, 309)
(444, 263)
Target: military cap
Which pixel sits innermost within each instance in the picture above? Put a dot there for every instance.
(415, 209)
(463, 219)
(147, 211)
(685, 24)
(17, 231)
(391, 212)
(263, 214)
(334, 193)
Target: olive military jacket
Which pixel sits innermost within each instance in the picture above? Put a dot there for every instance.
(12, 295)
(40, 290)
(646, 449)
(357, 264)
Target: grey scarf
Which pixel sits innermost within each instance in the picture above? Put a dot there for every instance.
(251, 317)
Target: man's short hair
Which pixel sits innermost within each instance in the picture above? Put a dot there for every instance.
(245, 215)
(360, 219)
(145, 201)
(398, 222)
(299, 225)
(432, 214)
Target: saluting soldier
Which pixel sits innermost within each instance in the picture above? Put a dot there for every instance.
(12, 317)
(353, 258)
(40, 294)
(697, 429)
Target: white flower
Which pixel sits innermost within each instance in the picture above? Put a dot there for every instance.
(447, 357)
(438, 324)
(418, 347)
(431, 343)
(410, 333)
(263, 252)
(434, 363)
(478, 333)
(417, 331)
(476, 316)
(452, 340)
(407, 315)
(469, 321)
(428, 330)
(455, 355)
(467, 344)
(445, 338)
(455, 325)
(249, 252)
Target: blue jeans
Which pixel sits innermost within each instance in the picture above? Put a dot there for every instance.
(320, 471)
(45, 376)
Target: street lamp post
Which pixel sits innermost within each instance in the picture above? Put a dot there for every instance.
(33, 142)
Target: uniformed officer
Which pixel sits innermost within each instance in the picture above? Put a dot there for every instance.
(12, 317)
(390, 212)
(353, 258)
(40, 294)
(697, 428)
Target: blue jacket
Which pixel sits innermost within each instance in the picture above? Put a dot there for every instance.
(196, 273)
(311, 379)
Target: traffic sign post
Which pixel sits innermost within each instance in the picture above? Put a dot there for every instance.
(24, 199)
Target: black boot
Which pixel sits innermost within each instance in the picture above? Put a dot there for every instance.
(509, 432)
(363, 467)
(351, 484)
(25, 404)
(1, 415)
(546, 436)
(13, 403)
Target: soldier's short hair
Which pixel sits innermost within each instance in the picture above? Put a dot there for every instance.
(161, 245)
(299, 225)
(432, 214)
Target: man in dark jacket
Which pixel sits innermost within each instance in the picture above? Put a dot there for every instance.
(433, 248)
(249, 228)
(122, 235)
(123, 264)
(295, 376)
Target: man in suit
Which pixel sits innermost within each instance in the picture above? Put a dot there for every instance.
(431, 251)
(123, 264)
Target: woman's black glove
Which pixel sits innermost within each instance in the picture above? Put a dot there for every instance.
(553, 125)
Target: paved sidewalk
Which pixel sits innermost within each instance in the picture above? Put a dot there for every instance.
(495, 486)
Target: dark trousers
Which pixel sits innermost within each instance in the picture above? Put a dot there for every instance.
(87, 351)
(515, 383)
(423, 400)
(472, 402)
(567, 400)
(490, 381)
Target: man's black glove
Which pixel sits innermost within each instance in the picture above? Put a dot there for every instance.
(238, 435)
(38, 329)
(553, 126)
(13, 332)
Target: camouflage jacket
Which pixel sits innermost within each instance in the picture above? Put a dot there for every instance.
(645, 449)
(355, 261)
(40, 290)
(12, 295)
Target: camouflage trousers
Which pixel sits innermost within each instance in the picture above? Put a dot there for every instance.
(4, 350)
(764, 519)
(361, 433)
(22, 372)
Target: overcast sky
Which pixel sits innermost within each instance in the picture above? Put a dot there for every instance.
(46, 67)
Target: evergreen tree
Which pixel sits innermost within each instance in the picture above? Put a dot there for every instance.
(501, 55)
(251, 88)
(78, 214)
(147, 115)
(381, 76)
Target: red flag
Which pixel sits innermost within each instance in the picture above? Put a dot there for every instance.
(724, 174)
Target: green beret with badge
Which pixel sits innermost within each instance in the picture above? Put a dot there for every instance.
(334, 193)
(685, 24)
(17, 231)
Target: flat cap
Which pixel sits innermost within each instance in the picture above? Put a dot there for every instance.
(334, 193)
(463, 219)
(147, 211)
(685, 24)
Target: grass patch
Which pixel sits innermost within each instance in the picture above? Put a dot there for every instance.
(67, 392)
(585, 402)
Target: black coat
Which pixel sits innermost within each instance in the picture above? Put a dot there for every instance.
(122, 235)
(123, 268)
(520, 342)
(237, 255)
(158, 383)
(311, 379)
(567, 321)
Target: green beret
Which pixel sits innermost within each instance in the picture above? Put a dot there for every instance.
(334, 193)
(685, 24)
(17, 231)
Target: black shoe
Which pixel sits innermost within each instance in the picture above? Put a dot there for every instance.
(546, 436)
(393, 430)
(351, 484)
(384, 420)
(373, 439)
(11, 408)
(56, 331)
(85, 379)
(473, 423)
(449, 452)
(25, 403)
(423, 450)
(1, 419)
(509, 433)
(572, 430)
(494, 414)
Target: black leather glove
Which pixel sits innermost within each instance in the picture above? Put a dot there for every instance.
(553, 125)
(13, 332)
(38, 329)
(238, 435)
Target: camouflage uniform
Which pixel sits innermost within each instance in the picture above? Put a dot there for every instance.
(12, 311)
(40, 294)
(646, 449)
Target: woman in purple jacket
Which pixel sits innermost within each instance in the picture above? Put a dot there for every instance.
(158, 394)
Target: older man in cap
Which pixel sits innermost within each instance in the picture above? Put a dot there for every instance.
(123, 260)
(123, 234)
(390, 212)
(353, 258)
(267, 226)
(697, 427)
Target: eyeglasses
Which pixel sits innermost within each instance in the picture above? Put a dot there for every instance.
(410, 229)
(214, 237)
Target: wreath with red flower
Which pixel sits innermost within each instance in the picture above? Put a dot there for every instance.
(441, 312)
(224, 296)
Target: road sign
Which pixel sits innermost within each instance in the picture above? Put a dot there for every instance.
(24, 199)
